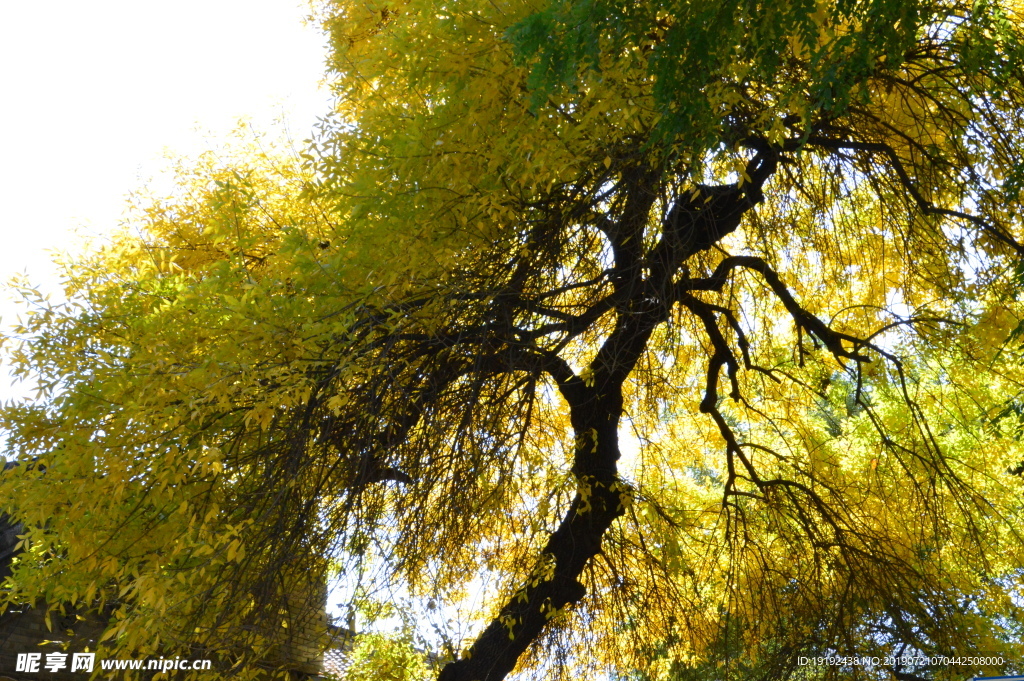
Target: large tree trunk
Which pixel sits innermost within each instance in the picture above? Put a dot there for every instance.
(646, 283)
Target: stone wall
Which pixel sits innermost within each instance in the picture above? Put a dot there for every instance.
(25, 631)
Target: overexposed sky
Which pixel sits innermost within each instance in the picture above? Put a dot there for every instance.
(92, 93)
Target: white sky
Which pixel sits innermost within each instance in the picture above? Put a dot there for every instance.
(91, 94)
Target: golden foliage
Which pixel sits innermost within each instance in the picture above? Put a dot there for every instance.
(745, 385)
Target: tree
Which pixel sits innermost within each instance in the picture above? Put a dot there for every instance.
(776, 246)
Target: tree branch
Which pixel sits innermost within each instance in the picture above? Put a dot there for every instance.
(926, 206)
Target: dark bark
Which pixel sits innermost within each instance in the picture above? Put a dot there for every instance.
(645, 286)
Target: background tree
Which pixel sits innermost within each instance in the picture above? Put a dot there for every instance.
(775, 248)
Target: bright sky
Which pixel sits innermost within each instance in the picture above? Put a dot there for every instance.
(93, 92)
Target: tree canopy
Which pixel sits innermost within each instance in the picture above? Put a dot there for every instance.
(677, 339)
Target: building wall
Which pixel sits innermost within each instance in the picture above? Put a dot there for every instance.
(24, 630)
